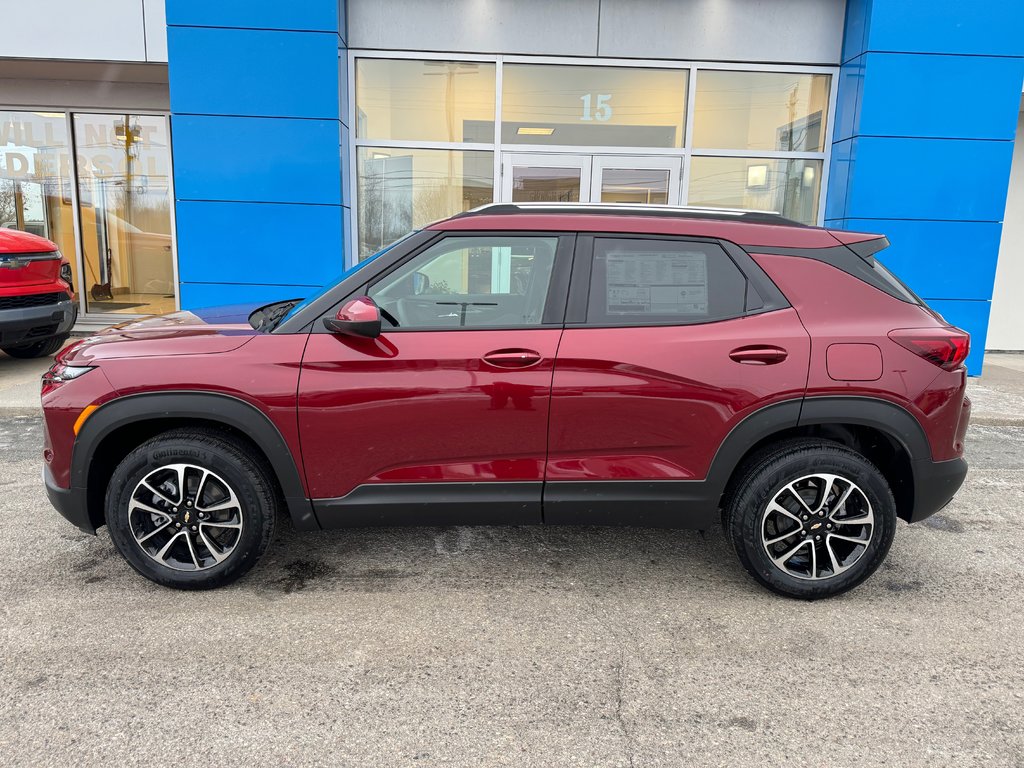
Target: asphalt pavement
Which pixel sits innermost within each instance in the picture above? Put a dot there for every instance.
(514, 646)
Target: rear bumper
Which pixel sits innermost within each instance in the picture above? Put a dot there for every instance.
(69, 502)
(22, 326)
(935, 484)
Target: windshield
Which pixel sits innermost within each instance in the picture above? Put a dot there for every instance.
(299, 306)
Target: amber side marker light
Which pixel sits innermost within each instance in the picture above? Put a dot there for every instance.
(85, 414)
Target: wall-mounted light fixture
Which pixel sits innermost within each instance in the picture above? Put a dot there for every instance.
(757, 176)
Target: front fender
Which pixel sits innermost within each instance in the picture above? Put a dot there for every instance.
(186, 405)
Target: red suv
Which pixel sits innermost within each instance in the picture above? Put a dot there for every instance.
(37, 307)
(523, 364)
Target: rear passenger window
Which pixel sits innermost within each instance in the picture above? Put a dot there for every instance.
(663, 282)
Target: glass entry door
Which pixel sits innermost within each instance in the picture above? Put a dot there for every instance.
(635, 180)
(556, 178)
(545, 178)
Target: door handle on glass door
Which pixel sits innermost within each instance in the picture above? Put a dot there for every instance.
(759, 354)
(512, 358)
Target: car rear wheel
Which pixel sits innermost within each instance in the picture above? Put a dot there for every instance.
(191, 510)
(42, 348)
(811, 518)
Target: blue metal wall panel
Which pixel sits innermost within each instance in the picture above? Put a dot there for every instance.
(198, 295)
(260, 242)
(938, 259)
(851, 77)
(253, 72)
(257, 102)
(301, 15)
(980, 28)
(928, 95)
(856, 29)
(256, 159)
(839, 179)
(926, 114)
(907, 178)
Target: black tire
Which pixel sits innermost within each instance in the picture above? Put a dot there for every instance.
(233, 467)
(749, 524)
(42, 348)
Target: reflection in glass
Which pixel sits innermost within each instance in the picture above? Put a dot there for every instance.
(647, 186)
(125, 213)
(592, 106)
(402, 189)
(35, 176)
(545, 185)
(465, 282)
(789, 187)
(760, 110)
(425, 100)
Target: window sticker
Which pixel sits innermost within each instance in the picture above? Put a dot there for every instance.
(644, 283)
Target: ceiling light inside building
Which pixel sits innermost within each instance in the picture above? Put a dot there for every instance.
(525, 130)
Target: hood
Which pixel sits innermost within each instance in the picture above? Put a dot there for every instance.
(27, 260)
(199, 332)
(16, 241)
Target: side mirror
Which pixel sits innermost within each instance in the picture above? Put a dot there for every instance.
(358, 317)
(420, 283)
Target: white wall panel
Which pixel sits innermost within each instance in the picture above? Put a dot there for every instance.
(792, 31)
(552, 27)
(105, 30)
(1006, 325)
(156, 30)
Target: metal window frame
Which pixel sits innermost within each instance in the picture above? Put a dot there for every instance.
(686, 152)
(96, 320)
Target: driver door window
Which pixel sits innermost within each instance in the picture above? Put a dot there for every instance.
(481, 281)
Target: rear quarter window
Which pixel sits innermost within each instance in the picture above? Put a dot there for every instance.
(662, 282)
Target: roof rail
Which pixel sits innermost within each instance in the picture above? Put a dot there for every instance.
(624, 209)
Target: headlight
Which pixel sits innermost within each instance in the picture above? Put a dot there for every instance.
(59, 373)
(65, 273)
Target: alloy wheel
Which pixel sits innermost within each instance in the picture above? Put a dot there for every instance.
(185, 517)
(817, 527)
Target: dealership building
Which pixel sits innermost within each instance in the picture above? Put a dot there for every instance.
(191, 153)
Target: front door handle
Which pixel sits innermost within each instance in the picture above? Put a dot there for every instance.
(759, 354)
(512, 358)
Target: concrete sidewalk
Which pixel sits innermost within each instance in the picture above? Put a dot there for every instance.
(997, 396)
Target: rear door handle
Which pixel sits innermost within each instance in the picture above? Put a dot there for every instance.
(759, 354)
(512, 358)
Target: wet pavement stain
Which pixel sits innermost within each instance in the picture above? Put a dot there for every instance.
(299, 573)
(943, 523)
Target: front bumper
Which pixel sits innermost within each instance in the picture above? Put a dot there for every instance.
(70, 502)
(30, 324)
(935, 484)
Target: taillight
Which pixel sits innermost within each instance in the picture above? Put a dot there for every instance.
(944, 347)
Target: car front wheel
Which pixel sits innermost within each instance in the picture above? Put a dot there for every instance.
(811, 518)
(191, 510)
(43, 348)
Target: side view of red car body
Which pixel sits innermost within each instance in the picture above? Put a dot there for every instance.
(531, 364)
(37, 307)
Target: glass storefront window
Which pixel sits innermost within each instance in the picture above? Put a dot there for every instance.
(425, 100)
(644, 186)
(125, 212)
(760, 110)
(401, 189)
(35, 176)
(789, 187)
(592, 106)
